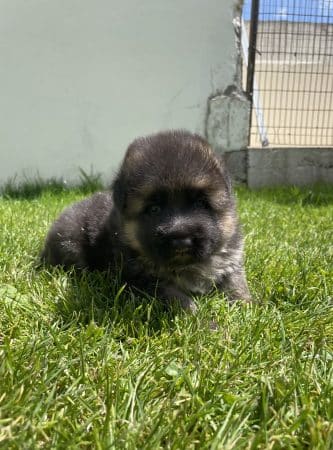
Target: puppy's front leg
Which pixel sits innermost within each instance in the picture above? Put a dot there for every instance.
(169, 294)
(174, 296)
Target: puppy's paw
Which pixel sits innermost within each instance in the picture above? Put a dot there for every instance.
(176, 298)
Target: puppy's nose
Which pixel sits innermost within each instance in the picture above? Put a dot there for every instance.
(181, 242)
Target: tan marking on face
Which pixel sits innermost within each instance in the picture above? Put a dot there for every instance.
(227, 225)
(130, 234)
(147, 189)
(217, 199)
(201, 181)
(135, 204)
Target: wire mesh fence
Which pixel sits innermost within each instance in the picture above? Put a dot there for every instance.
(292, 79)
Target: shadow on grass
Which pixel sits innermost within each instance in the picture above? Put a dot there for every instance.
(101, 298)
(310, 196)
(32, 188)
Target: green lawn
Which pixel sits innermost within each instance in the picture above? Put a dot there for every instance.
(84, 365)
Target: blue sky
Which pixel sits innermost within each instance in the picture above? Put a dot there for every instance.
(293, 10)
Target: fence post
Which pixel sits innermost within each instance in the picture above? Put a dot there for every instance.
(251, 85)
(252, 47)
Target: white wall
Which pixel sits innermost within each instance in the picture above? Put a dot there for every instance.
(79, 79)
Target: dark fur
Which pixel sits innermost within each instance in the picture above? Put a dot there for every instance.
(169, 223)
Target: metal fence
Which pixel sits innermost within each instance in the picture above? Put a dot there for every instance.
(288, 48)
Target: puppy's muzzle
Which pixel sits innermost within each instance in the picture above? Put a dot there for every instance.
(179, 236)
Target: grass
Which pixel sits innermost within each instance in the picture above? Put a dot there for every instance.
(85, 365)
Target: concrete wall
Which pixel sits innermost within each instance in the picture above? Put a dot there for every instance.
(289, 166)
(79, 79)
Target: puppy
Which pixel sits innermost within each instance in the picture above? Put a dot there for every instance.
(169, 223)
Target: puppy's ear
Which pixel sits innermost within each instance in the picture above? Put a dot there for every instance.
(123, 181)
(222, 161)
(119, 192)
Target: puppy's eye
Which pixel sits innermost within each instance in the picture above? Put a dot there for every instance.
(200, 203)
(154, 209)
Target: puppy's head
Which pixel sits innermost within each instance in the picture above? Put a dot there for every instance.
(174, 198)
